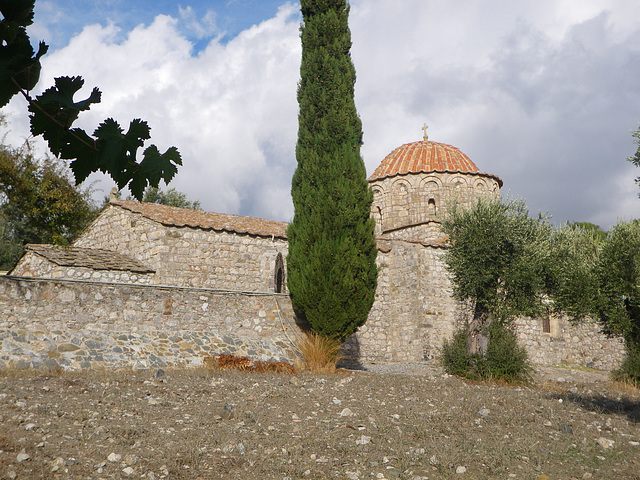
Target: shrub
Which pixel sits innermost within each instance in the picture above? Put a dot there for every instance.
(455, 359)
(629, 371)
(505, 359)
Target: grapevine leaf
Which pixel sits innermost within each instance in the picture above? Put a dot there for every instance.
(159, 166)
(153, 168)
(116, 149)
(138, 184)
(54, 111)
(19, 12)
(81, 148)
(18, 67)
(111, 149)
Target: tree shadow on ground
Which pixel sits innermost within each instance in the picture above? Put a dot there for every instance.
(604, 405)
(350, 358)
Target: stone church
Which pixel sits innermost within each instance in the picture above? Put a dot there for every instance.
(178, 260)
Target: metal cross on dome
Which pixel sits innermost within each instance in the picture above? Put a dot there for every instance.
(424, 129)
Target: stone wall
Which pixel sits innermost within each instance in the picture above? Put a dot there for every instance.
(413, 312)
(70, 324)
(568, 343)
(78, 324)
(188, 257)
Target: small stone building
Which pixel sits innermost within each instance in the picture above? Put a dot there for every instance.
(146, 243)
(173, 254)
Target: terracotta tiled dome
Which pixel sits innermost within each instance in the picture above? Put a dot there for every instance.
(425, 157)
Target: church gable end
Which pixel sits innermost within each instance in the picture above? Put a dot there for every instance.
(192, 248)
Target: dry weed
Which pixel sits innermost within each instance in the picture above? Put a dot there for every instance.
(319, 354)
(225, 362)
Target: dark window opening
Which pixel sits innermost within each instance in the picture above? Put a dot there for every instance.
(431, 206)
(546, 325)
(279, 274)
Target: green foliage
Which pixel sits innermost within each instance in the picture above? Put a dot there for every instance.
(617, 275)
(171, 197)
(110, 150)
(571, 283)
(629, 370)
(504, 360)
(636, 158)
(601, 279)
(39, 204)
(10, 247)
(598, 233)
(455, 357)
(332, 273)
(498, 257)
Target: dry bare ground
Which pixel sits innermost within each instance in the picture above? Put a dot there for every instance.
(205, 424)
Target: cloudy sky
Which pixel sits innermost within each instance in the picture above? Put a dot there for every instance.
(542, 93)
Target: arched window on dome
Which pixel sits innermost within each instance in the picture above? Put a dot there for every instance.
(481, 185)
(278, 277)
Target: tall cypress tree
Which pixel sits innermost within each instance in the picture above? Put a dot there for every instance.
(332, 274)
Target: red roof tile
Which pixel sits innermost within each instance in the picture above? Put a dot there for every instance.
(182, 217)
(426, 157)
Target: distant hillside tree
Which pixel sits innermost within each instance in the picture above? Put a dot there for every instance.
(636, 158)
(170, 197)
(332, 273)
(39, 203)
(599, 234)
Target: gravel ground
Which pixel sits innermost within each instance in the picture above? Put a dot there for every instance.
(386, 422)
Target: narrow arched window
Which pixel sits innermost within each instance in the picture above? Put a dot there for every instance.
(431, 206)
(278, 279)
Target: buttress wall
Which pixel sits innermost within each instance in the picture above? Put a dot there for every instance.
(414, 311)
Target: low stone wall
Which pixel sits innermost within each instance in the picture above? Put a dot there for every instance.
(82, 324)
(580, 344)
(71, 324)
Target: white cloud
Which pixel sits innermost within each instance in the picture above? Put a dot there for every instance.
(231, 109)
(539, 96)
(542, 94)
(203, 27)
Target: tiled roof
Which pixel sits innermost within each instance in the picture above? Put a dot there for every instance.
(426, 157)
(182, 217)
(93, 258)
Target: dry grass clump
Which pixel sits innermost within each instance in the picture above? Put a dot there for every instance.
(626, 386)
(319, 354)
(224, 362)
